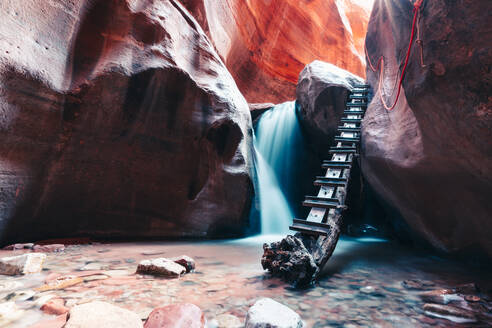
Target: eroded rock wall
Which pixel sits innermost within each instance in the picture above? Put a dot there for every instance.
(431, 157)
(117, 118)
(266, 44)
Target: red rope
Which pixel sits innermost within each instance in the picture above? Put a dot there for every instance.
(416, 9)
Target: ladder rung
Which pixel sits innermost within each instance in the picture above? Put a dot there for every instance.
(309, 230)
(328, 183)
(320, 204)
(322, 199)
(361, 104)
(354, 112)
(336, 166)
(335, 150)
(351, 120)
(364, 86)
(312, 223)
(346, 129)
(347, 139)
(357, 97)
(359, 90)
(336, 162)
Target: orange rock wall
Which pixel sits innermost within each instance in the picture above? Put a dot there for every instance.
(266, 44)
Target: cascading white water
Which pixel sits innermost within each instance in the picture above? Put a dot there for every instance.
(278, 141)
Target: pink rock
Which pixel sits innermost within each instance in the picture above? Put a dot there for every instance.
(55, 306)
(53, 248)
(184, 315)
(57, 322)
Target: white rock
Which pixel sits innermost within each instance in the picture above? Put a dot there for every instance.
(267, 313)
(102, 315)
(162, 267)
(9, 312)
(22, 264)
(228, 321)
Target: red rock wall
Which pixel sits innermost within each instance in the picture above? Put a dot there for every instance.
(117, 118)
(431, 157)
(266, 44)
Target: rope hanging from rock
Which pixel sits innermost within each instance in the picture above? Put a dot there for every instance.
(416, 10)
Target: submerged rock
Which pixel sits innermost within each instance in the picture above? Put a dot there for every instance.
(176, 316)
(322, 92)
(449, 312)
(290, 260)
(22, 264)
(101, 315)
(441, 296)
(117, 119)
(267, 313)
(161, 267)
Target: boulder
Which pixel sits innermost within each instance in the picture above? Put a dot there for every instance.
(51, 248)
(55, 306)
(9, 312)
(430, 158)
(265, 44)
(228, 321)
(290, 260)
(269, 313)
(118, 118)
(322, 92)
(161, 267)
(184, 315)
(102, 315)
(22, 264)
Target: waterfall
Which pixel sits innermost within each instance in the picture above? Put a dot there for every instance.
(278, 144)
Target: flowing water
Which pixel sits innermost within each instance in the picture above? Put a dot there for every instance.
(279, 145)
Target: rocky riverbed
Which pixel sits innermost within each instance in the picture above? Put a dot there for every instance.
(370, 283)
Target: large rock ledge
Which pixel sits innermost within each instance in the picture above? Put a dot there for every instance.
(431, 157)
(118, 118)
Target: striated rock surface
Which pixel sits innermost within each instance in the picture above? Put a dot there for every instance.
(431, 157)
(322, 91)
(117, 118)
(265, 44)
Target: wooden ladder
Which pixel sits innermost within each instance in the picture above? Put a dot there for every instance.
(324, 219)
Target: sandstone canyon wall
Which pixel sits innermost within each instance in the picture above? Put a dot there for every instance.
(117, 118)
(431, 157)
(266, 44)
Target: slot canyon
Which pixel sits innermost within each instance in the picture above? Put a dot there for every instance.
(245, 163)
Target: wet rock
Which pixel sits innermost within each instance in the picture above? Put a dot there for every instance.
(57, 322)
(162, 267)
(413, 284)
(322, 91)
(22, 264)
(61, 283)
(228, 321)
(52, 248)
(9, 312)
(14, 247)
(269, 313)
(371, 290)
(290, 260)
(441, 296)
(185, 261)
(101, 315)
(449, 312)
(55, 306)
(470, 288)
(472, 298)
(176, 316)
(20, 295)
